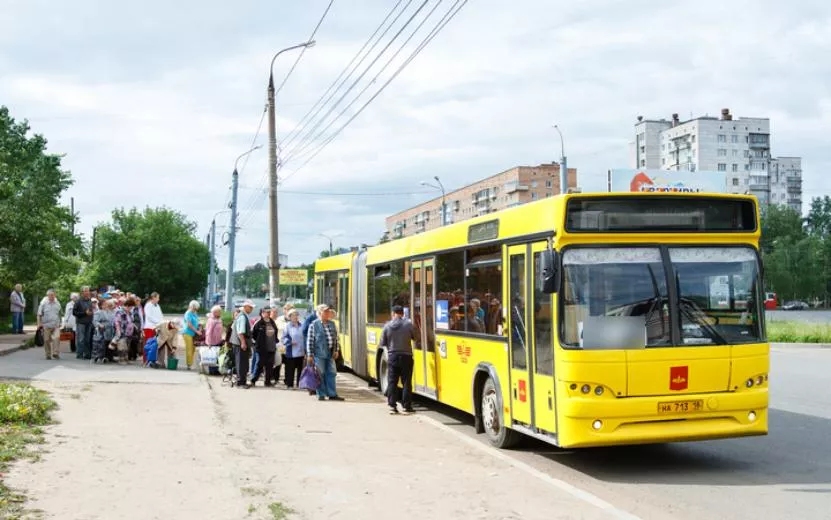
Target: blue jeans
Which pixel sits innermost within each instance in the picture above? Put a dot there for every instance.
(255, 362)
(83, 340)
(17, 322)
(328, 372)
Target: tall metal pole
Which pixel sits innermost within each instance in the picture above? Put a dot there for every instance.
(273, 215)
(229, 276)
(212, 268)
(443, 204)
(563, 164)
(207, 299)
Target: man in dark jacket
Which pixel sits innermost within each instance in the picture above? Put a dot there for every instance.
(83, 311)
(397, 338)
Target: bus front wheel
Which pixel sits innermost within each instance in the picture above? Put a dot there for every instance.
(498, 434)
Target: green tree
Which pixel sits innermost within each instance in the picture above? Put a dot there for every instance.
(153, 250)
(779, 222)
(37, 245)
(819, 217)
(250, 281)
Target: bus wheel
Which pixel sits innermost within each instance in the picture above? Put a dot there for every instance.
(498, 434)
(383, 373)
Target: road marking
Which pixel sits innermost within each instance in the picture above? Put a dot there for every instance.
(576, 492)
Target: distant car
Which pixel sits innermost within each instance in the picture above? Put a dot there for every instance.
(795, 306)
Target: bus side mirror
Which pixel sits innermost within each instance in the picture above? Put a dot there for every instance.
(550, 275)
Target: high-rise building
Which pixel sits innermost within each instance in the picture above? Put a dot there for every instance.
(510, 188)
(739, 147)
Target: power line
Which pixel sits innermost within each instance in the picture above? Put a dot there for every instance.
(365, 194)
(321, 102)
(301, 145)
(451, 13)
(303, 51)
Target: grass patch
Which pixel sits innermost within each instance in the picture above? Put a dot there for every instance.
(798, 332)
(253, 492)
(23, 409)
(279, 511)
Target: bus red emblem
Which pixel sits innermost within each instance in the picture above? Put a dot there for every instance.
(678, 378)
(523, 391)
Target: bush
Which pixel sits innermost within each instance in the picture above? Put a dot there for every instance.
(24, 404)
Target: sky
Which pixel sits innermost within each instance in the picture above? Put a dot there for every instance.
(151, 102)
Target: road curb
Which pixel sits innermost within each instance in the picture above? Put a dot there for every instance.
(800, 345)
(6, 352)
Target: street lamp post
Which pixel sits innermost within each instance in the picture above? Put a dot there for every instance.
(274, 258)
(232, 239)
(563, 163)
(443, 205)
(329, 238)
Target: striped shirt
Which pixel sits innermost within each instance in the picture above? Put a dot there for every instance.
(331, 337)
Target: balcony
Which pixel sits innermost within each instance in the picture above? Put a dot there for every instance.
(759, 187)
(513, 187)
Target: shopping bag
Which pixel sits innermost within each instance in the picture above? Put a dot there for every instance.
(151, 350)
(208, 355)
(309, 378)
(39, 337)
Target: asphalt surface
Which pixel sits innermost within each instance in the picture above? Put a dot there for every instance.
(784, 475)
(818, 316)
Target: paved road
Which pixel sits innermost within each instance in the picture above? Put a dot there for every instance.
(804, 316)
(784, 475)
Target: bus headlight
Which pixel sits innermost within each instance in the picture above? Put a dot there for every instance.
(749, 383)
(599, 424)
(586, 389)
(598, 390)
(760, 380)
(751, 416)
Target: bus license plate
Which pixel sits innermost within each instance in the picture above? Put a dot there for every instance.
(681, 406)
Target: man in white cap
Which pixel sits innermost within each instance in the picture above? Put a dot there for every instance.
(241, 340)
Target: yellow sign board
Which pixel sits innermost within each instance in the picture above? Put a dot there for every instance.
(294, 277)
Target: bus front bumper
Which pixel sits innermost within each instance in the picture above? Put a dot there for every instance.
(586, 422)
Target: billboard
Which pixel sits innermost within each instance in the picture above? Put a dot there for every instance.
(294, 277)
(642, 180)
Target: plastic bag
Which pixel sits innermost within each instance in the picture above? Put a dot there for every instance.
(309, 378)
(151, 350)
(39, 337)
(208, 355)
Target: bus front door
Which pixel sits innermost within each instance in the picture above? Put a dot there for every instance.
(541, 321)
(425, 375)
(521, 379)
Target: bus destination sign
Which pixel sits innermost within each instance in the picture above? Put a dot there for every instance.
(484, 231)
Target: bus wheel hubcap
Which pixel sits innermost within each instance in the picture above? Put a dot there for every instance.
(490, 413)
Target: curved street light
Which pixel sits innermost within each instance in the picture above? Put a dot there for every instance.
(330, 237)
(443, 205)
(273, 215)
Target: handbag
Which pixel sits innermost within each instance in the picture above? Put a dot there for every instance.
(310, 378)
(39, 337)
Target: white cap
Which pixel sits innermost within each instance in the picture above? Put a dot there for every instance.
(248, 303)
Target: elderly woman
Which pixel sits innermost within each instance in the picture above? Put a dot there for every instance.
(190, 328)
(124, 329)
(295, 344)
(69, 319)
(265, 339)
(213, 328)
(103, 325)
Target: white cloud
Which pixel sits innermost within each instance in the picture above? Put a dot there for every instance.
(154, 111)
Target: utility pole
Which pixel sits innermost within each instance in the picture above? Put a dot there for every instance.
(273, 225)
(229, 276)
(212, 268)
(563, 164)
(72, 211)
(207, 299)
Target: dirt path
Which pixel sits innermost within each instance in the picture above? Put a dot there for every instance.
(192, 448)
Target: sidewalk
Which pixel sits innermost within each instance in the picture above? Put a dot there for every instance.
(200, 449)
(12, 342)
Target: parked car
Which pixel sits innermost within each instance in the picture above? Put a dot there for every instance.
(795, 305)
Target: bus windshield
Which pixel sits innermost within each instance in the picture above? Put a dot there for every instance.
(619, 297)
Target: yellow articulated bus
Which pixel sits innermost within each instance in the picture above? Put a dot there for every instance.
(582, 320)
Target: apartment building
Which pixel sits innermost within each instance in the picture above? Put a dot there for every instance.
(510, 188)
(740, 147)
